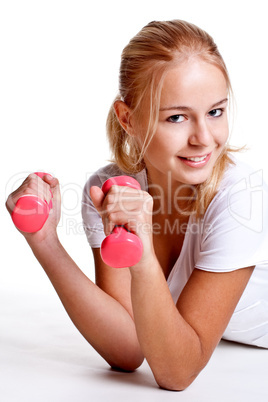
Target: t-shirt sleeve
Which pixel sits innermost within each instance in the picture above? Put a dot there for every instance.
(236, 227)
(92, 221)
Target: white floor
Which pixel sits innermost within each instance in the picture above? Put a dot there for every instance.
(44, 359)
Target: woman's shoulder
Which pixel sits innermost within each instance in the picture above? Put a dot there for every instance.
(241, 196)
(241, 172)
(235, 223)
(240, 179)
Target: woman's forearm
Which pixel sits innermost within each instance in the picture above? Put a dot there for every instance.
(170, 345)
(103, 321)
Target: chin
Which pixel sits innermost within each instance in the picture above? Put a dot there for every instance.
(198, 177)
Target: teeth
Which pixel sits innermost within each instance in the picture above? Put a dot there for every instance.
(197, 159)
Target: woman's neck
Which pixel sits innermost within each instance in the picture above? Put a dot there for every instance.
(170, 197)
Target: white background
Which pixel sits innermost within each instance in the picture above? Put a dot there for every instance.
(58, 76)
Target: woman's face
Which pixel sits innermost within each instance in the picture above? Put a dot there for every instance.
(193, 126)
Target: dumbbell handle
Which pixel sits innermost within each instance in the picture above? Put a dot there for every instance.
(31, 212)
(121, 248)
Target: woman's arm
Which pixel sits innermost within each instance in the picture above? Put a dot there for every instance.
(177, 340)
(101, 319)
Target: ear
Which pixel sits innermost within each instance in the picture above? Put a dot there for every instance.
(124, 116)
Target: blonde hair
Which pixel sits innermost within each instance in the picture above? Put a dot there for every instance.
(144, 63)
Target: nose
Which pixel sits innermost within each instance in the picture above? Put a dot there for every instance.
(201, 134)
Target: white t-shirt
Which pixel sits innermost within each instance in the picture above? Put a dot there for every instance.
(233, 234)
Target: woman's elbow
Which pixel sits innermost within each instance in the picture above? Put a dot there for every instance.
(170, 385)
(126, 363)
(175, 382)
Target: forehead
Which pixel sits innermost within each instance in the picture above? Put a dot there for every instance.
(192, 83)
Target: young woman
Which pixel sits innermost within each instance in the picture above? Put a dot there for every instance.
(203, 274)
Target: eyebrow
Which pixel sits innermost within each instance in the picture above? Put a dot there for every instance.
(162, 109)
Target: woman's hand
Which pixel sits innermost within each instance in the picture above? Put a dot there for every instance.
(128, 207)
(46, 188)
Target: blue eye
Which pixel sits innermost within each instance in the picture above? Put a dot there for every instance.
(176, 118)
(216, 112)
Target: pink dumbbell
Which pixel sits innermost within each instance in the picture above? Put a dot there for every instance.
(31, 212)
(121, 248)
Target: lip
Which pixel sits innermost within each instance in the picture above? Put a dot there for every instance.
(196, 164)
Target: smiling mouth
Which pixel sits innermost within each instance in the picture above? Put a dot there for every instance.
(196, 158)
(196, 161)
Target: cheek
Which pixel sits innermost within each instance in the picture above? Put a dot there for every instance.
(161, 145)
(170, 139)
